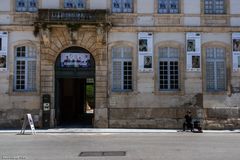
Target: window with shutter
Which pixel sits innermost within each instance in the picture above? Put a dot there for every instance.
(121, 69)
(25, 68)
(215, 69)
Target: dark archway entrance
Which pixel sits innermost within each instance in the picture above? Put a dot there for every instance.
(75, 88)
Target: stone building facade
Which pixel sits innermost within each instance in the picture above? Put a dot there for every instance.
(125, 92)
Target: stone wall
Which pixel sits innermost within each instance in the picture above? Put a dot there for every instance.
(151, 117)
(13, 118)
(153, 111)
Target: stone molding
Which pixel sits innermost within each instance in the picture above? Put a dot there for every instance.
(87, 39)
(228, 61)
(182, 57)
(133, 46)
(215, 19)
(11, 66)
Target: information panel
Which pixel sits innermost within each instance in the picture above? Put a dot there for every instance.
(75, 60)
(236, 51)
(145, 52)
(3, 50)
(193, 47)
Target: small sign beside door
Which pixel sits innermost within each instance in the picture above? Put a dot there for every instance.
(28, 120)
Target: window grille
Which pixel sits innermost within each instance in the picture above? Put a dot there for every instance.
(122, 6)
(75, 4)
(214, 6)
(26, 5)
(168, 69)
(168, 6)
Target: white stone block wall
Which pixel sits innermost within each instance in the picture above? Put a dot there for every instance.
(192, 7)
(234, 5)
(5, 5)
(53, 4)
(143, 7)
(98, 4)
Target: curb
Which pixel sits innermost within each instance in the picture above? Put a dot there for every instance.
(90, 130)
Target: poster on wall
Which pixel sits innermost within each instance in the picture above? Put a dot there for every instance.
(3, 50)
(193, 47)
(145, 52)
(75, 60)
(236, 51)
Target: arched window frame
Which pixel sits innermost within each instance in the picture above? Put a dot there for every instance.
(228, 66)
(25, 68)
(168, 69)
(122, 44)
(122, 69)
(181, 68)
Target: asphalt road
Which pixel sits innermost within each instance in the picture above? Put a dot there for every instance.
(138, 146)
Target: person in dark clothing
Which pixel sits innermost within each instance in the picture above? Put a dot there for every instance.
(188, 121)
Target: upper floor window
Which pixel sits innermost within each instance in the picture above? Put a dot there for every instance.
(214, 6)
(168, 69)
(74, 3)
(26, 5)
(25, 68)
(122, 69)
(215, 69)
(168, 6)
(122, 6)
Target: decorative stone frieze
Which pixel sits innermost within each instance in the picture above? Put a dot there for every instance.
(168, 20)
(24, 18)
(215, 20)
(46, 37)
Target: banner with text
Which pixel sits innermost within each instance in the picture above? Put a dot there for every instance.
(193, 47)
(75, 60)
(236, 51)
(145, 52)
(3, 50)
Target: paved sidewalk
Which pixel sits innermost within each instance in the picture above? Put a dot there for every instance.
(110, 130)
(131, 146)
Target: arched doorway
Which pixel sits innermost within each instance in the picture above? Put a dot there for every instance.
(75, 88)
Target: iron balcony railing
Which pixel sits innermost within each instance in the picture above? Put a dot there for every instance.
(61, 16)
